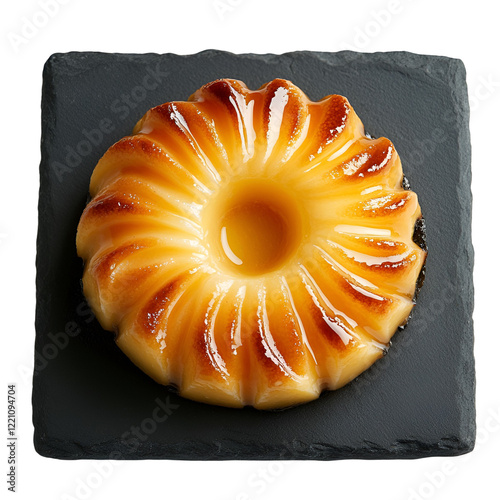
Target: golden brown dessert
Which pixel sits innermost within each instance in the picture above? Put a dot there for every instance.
(251, 247)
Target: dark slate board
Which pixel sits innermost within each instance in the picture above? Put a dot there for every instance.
(89, 401)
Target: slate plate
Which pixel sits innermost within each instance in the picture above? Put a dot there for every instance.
(89, 401)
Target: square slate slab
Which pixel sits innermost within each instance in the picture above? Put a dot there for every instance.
(89, 401)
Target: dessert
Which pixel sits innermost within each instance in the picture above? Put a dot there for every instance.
(251, 247)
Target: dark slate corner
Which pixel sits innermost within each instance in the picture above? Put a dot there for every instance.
(89, 401)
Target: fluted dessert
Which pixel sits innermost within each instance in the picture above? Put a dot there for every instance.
(251, 247)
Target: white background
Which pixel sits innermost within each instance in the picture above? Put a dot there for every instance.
(468, 31)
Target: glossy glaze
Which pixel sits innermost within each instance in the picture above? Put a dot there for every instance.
(251, 247)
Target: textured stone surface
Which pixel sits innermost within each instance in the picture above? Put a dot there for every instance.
(89, 401)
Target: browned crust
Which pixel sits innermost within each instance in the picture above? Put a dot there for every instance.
(327, 325)
(112, 203)
(151, 314)
(393, 205)
(372, 160)
(104, 266)
(336, 110)
(294, 111)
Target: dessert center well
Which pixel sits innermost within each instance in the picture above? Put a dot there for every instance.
(253, 227)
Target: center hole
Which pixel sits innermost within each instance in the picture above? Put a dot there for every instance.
(254, 236)
(258, 225)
